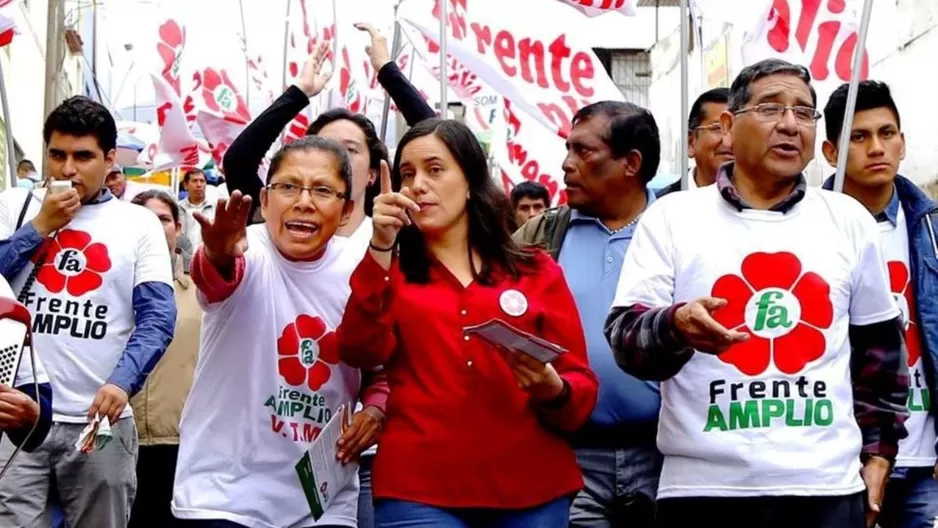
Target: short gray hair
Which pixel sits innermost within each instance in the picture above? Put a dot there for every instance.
(740, 92)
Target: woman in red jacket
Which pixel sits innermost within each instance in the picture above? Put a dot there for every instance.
(473, 433)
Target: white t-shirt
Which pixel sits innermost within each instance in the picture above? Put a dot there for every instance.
(772, 416)
(267, 380)
(24, 373)
(917, 449)
(82, 299)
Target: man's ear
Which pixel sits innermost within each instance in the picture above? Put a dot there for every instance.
(691, 152)
(830, 153)
(632, 163)
(727, 120)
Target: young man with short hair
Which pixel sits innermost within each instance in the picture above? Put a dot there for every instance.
(94, 273)
(528, 199)
(908, 222)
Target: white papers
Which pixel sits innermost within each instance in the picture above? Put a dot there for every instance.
(500, 333)
(321, 474)
(95, 435)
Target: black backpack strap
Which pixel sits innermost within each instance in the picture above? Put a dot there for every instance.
(19, 222)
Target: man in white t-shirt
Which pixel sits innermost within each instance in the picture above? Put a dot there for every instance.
(94, 273)
(764, 307)
(908, 221)
(281, 286)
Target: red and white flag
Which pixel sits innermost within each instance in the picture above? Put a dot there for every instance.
(7, 21)
(219, 131)
(593, 8)
(177, 147)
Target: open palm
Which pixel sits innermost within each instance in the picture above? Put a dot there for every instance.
(225, 236)
(312, 79)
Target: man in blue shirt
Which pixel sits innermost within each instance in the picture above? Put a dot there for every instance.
(613, 152)
(94, 273)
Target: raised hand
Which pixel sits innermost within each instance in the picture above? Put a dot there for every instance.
(224, 238)
(390, 212)
(695, 323)
(378, 50)
(312, 79)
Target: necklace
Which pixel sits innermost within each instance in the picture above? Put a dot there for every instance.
(626, 226)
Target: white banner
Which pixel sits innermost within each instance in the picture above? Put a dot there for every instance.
(527, 59)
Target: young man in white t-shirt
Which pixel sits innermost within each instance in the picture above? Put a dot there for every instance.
(268, 377)
(764, 307)
(94, 273)
(908, 221)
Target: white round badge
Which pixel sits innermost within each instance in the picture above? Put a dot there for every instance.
(513, 303)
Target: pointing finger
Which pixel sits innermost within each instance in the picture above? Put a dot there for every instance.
(385, 178)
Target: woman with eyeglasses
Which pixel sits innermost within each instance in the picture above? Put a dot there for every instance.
(473, 435)
(269, 378)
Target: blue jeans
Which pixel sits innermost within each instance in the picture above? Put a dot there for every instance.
(911, 499)
(366, 507)
(403, 514)
(621, 485)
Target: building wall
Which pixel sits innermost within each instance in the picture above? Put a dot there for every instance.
(23, 63)
(911, 69)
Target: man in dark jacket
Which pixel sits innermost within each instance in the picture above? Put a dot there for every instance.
(908, 222)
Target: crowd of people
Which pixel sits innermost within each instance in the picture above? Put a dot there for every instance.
(749, 351)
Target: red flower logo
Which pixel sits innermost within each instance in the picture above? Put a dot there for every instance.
(72, 263)
(782, 309)
(900, 283)
(172, 41)
(306, 351)
(220, 96)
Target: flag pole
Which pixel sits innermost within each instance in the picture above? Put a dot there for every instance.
(247, 68)
(11, 148)
(685, 37)
(444, 14)
(395, 49)
(286, 66)
(858, 54)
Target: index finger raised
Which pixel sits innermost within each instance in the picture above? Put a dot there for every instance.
(385, 178)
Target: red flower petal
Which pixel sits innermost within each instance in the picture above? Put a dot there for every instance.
(51, 279)
(292, 370)
(814, 295)
(771, 270)
(318, 375)
(49, 248)
(168, 55)
(69, 238)
(83, 283)
(329, 348)
(211, 79)
(898, 276)
(751, 357)
(171, 33)
(310, 327)
(96, 258)
(737, 293)
(288, 344)
(797, 348)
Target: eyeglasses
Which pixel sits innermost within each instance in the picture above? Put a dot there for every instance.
(804, 115)
(713, 128)
(320, 193)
